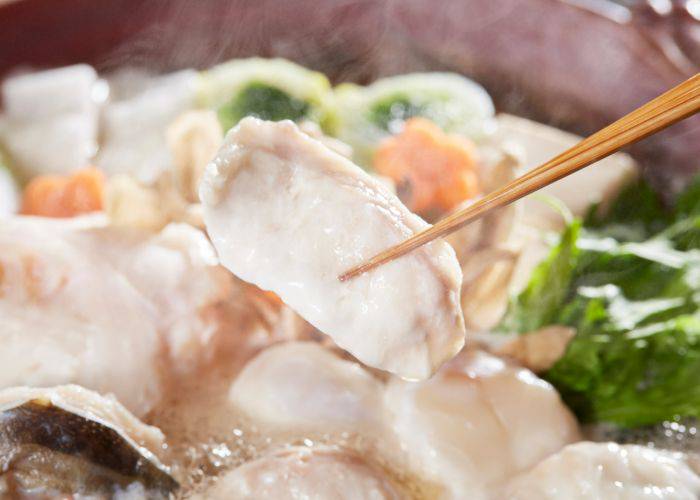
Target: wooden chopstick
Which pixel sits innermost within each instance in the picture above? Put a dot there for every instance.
(678, 103)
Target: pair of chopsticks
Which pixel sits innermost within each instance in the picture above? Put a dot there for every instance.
(678, 103)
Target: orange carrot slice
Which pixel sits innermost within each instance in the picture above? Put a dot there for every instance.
(434, 171)
(64, 196)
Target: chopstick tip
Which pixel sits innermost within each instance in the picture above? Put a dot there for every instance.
(349, 274)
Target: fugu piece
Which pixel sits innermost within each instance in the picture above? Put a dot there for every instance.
(176, 271)
(50, 122)
(67, 440)
(312, 474)
(302, 386)
(68, 317)
(289, 215)
(109, 309)
(134, 128)
(585, 471)
(477, 422)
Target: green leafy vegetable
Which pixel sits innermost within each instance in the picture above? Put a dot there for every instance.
(629, 282)
(262, 101)
(688, 203)
(634, 215)
(539, 303)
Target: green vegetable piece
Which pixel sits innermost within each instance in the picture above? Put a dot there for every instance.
(629, 282)
(274, 89)
(631, 378)
(365, 116)
(261, 101)
(685, 234)
(539, 303)
(635, 215)
(391, 113)
(688, 202)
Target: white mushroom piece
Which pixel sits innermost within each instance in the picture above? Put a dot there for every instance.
(485, 250)
(288, 214)
(302, 387)
(478, 422)
(585, 471)
(65, 440)
(103, 308)
(313, 474)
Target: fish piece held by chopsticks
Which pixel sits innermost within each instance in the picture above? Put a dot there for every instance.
(288, 214)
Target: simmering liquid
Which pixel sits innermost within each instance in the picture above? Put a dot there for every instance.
(207, 436)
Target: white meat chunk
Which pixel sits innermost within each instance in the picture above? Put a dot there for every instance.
(67, 317)
(591, 471)
(288, 214)
(302, 386)
(134, 127)
(177, 272)
(478, 422)
(101, 308)
(303, 473)
(50, 122)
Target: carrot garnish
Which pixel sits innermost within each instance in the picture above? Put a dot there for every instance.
(64, 195)
(434, 171)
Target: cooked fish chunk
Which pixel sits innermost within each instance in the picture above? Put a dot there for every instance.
(45, 94)
(134, 127)
(477, 422)
(50, 122)
(177, 272)
(288, 214)
(67, 317)
(302, 386)
(67, 440)
(585, 471)
(312, 474)
(106, 309)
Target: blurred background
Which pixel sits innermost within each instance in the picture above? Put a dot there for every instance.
(576, 64)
